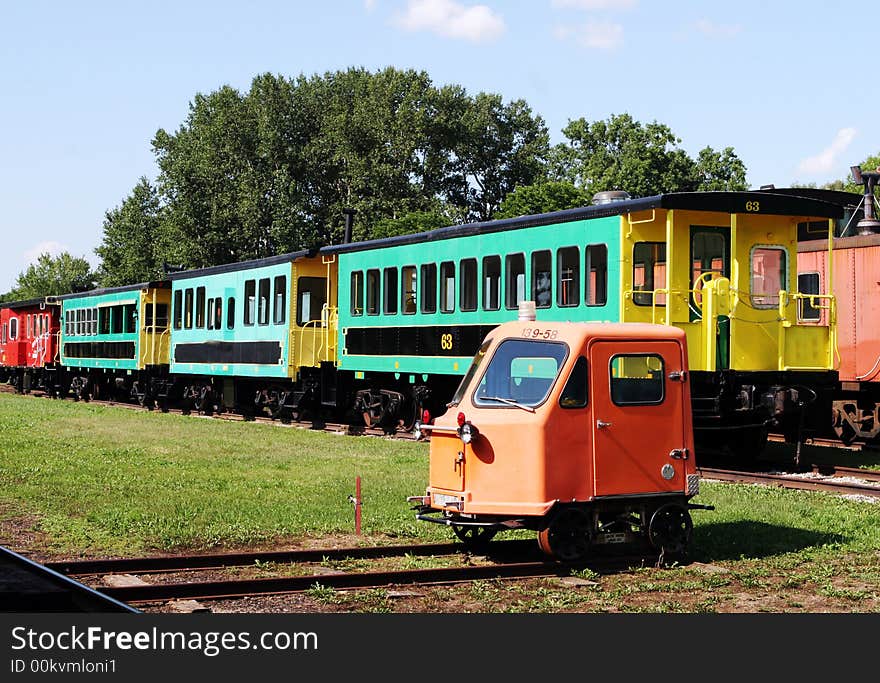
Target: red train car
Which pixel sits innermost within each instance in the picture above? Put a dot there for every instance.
(854, 273)
(28, 343)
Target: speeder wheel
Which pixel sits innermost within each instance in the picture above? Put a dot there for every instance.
(670, 528)
(568, 536)
(474, 537)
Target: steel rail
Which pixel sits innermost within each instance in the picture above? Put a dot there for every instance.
(790, 482)
(160, 564)
(275, 586)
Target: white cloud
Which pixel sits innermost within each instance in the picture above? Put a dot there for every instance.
(594, 4)
(51, 247)
(713, 30)
(595, 35)
(369, 5)
(450, 19)
(826, 160)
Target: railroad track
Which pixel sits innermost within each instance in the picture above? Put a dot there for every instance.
(812, 481)
(512, 559)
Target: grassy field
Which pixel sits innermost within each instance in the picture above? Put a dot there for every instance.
(107, 480)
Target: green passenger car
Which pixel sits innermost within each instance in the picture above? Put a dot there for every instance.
(113, 341)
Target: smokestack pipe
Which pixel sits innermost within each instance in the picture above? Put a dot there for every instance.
(349, 224)
(869, 225)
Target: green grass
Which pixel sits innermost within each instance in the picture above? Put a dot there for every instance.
(115, 480)
(109, 480)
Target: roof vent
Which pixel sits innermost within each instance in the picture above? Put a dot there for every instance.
(527, 310)
(609, 196)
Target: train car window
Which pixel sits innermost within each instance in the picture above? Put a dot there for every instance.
(520, 373)
(263, 303)
(491, 283)
(187, 309)
(389, 291)
(156, 317)
(104, 320)
(429, 288)
(373, 291)
(217, 312)
(130, 318)
(312, 296)
(568, 265)
(77, 322)
(409, 289)
(116, 319)
(574, 394)
(808, 310)
(542, 279)
(67, 323)
(637, 379)
(230, 313)
(3, 329)
(210, 310)
(28, 329)
(279, 311)
(514, 280)
(93, 321)
(649, 273)
(467, 300)
(596, 278)
(447, 287)
(178, 309)
(768, 276)
(250, 302)
(13, 328)
(200, 307)
(357, 293)
(708, 255)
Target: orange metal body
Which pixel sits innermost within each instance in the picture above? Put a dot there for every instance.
(522, 463)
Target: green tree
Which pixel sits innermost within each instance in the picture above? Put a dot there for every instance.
(134, 242)
(553, 195)
(63, 274)
(642, 159)
(722, 170)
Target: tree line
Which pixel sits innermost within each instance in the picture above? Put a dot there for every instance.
(268, 171)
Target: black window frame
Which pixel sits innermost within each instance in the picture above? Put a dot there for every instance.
(510, 277)
(264, 303)
(561, 253)
(279, 300)
(447, 301)
(469, 285)
(373, 294)
(611, 378)
(356, 293)
(178, 310)
(250, 302)
(230, 313)
(409, 298)
(389, 291)
(601, 275)
(542, 268)
(428, 299)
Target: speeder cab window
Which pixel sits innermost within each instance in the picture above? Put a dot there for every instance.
(637, 379)
(520, 373)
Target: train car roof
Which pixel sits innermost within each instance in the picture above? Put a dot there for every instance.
(157, 284)
(848, 200)
(24, 303)
(774, 203)
(241, 265)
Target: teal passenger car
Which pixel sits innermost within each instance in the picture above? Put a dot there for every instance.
(115, 341)
(253, 335)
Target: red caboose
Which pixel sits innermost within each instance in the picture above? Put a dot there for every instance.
(28, 342)
(581, 432)
(854, 277)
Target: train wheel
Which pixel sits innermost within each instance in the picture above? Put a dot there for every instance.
(670, 529)
(568, 537)
(474, 537)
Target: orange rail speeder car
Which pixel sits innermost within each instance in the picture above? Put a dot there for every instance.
(579, 431)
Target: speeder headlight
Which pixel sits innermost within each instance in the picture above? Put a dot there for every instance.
(467, 432)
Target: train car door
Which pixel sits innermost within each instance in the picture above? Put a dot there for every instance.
(638, 417)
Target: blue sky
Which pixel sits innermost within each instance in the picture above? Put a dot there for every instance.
(85, 85)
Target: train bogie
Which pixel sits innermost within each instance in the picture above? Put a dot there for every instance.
(581, 432)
